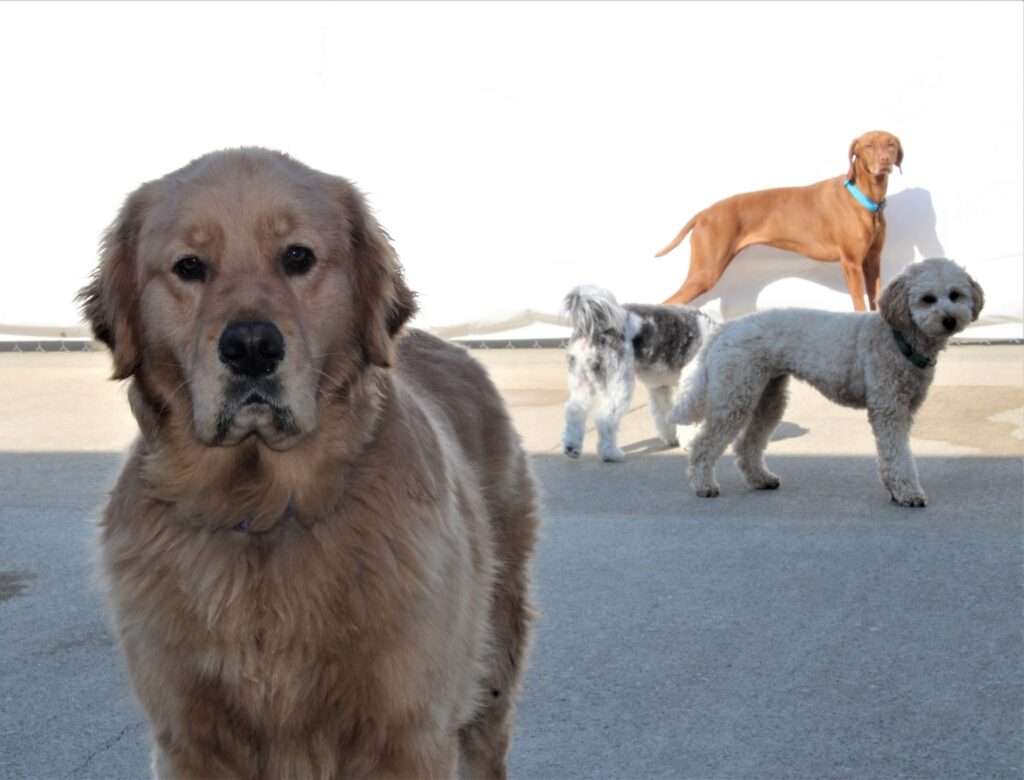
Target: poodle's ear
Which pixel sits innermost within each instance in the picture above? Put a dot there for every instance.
(977, 298)
(110, 301)
(894, 303)
(383, 301)
(851, 156)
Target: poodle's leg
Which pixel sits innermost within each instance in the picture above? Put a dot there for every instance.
(707, 447)
(613, 403)
(581, 398)
(891, 425)
(728, 408)
(661, 407)
(752, 442)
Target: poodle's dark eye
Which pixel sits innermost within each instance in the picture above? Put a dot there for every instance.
(954, 296)
(190, 269)
(297, 260)
(929, 299)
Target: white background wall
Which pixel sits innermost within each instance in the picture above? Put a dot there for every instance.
(515, 150)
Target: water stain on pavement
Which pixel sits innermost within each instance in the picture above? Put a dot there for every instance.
(13, 583)
(987, 418)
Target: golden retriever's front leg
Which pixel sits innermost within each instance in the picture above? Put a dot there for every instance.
(194, 765)
(441, 763)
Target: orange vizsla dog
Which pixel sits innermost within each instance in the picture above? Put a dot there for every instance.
(836, 219)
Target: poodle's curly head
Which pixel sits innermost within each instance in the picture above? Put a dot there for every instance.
(936, 297)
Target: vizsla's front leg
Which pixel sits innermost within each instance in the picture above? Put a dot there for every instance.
(853, 271)
(873, 268)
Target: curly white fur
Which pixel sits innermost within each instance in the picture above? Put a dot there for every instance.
(613, 345)
(739, 386)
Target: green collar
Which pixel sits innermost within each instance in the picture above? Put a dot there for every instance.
(910, 353)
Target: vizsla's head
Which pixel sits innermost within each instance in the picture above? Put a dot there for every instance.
(876, 153)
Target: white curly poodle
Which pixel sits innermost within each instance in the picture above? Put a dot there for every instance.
(883, 361)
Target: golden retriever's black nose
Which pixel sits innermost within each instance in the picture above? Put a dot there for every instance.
(949, 323)
(251, 348)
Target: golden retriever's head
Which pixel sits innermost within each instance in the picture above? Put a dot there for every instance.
(876, 152)
(244, 291)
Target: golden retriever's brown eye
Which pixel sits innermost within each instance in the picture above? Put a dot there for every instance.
(929, 299)
(954, 296)
(190, 269)
(297, 260)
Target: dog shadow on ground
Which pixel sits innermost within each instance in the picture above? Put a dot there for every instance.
(786, 430)
(910, 232)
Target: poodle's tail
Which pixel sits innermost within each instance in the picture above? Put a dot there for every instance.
(689, 408)
(594, 310)
(679, 237)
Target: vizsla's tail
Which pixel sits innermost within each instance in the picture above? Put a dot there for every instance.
(679, 238)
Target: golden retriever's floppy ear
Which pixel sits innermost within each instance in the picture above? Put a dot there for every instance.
(851, 156)
(383, 301)
(894, 302)
(110, 301)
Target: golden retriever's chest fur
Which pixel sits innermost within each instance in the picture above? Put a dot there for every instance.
(303, 630)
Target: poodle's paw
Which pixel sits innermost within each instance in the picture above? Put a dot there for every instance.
(612, 455)
(707, 491)
(766, 481)
(916, 499)
(572, 450)
(670, 441)
(906, 492)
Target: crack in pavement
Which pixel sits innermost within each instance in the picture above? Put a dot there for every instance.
(104, 747)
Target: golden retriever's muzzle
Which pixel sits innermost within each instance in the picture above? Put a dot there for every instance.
(252, 351)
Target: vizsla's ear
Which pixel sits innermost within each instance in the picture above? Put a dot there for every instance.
(383, 301)
(110, 301)
(899, 155)
(852, 155)
(894, 302)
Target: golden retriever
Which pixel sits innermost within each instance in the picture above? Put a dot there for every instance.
(317, 551)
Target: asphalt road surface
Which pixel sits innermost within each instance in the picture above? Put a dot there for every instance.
(813, 632)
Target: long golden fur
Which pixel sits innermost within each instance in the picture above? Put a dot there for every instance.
(318, 568)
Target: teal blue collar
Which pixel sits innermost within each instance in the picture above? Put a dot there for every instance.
(863, 199)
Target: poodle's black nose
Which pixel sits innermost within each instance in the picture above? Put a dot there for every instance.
(949, 323)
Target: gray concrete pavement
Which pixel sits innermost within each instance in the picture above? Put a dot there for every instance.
(814, 632)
